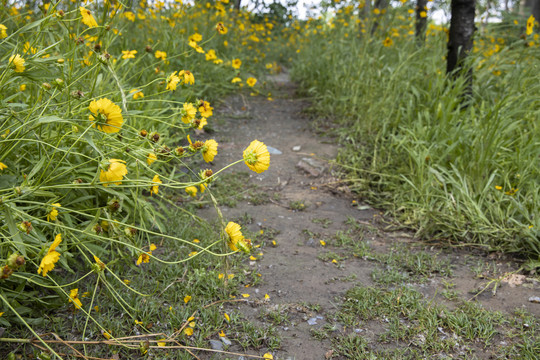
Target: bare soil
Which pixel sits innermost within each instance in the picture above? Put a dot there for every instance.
(297, 273)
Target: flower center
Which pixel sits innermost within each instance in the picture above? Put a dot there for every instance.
(251, 158)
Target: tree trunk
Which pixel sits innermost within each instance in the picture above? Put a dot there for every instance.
(379, 4)
(421, 22)
(535, 10)
(364, 15)
(460, 40)
(237, 4)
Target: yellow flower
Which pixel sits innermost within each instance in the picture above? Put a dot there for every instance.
(107, 115)
(188, 331)
(202, 187)
(388, 42)
(187, 298)
(115, 172)
(3, 166)
(143, 258)
(221, 28)
(202, 122)
(251, 81)
(3, 32)
(17, 62)
(54, 212)
(268, 356)
(188, 113)
(195, 37)
(196, 46)
(423, 14)
(236, 79)
(530, 25)
(209, 150)
(211, 55)
(74, 298)
(87, 17)
(100, 263)
(205, 109)
(192, 191)
(161, 55)
(187, 77)
(172, 81)
(52, 257)
(236, 63)
(257, 157)
(128, 54)
(155, 188)
(151, 158)
(130, 16)
(235, 235)
(137, 94)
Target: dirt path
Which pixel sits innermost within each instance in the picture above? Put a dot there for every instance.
(305, 280)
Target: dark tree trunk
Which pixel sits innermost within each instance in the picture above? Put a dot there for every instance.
(237, 4)
(421, 22)
(364, 15)
(379, 4)
(460, 40)
(535, 10)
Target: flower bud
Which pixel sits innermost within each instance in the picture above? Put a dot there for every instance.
(46, 86)
(77, 94)
(104, 58)
(154, 137)
(25, 226)
(114, 205)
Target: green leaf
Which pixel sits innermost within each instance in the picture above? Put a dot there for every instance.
(49, 119)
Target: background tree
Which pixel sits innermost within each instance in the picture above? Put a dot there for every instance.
(237, 4)
(528, 7)
(460, 39)
(421, 19)
(381, 5)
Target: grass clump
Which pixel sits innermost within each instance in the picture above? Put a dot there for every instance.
(426, 327)
(407, 143)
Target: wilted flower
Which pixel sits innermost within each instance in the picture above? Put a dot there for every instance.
(52, 257)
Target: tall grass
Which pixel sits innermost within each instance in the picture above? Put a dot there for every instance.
(70, 170)
(451, 172)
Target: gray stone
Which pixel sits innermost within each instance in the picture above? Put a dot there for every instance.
(216, 345)
(273, 150)
(313, 167)
(296, 148)
(226, 341)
